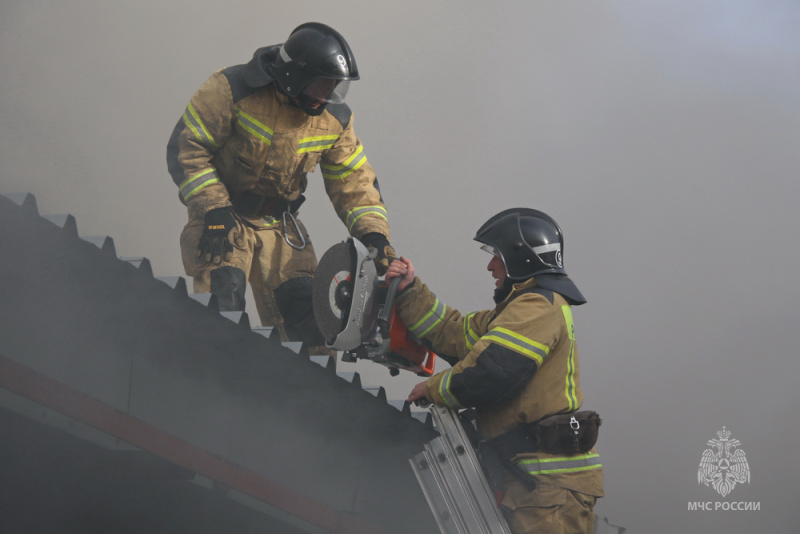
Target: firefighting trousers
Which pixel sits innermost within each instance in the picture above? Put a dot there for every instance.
(548, 510)
(280, 275)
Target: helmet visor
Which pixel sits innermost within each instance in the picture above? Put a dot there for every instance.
(490, 249)
(325, 91)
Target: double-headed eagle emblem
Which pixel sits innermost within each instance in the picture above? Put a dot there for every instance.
(723, 465)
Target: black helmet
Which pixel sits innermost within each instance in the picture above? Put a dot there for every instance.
(530, 243)
(315, 64)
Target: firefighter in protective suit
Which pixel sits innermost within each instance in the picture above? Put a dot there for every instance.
(517, 365)
(240, 155)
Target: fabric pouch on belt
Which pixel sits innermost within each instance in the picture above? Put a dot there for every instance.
(569, 433)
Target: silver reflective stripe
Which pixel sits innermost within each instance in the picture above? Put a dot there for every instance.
(192, 185)
(356, 213)
(269, 221)
(256, 128)
(431, 319)
(550, 247)
(470, 337)
(192, 121)
(444, 391)
(569, 464)
(518, 343)
(284, 55)
(350, 165)
(314, 144)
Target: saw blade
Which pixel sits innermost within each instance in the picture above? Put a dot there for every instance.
(332, 291)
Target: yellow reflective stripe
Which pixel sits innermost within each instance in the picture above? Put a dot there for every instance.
(518, 343)
(470, 336)
(192, 121)
(569, 389)
(316, 143)
(258, 129)
(350, 165)
(193, 184)
(356, 213)
(445, 393)
(568, 464)
(269, 221)
(430, 319)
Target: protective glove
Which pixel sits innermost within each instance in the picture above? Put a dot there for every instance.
(215, 243)
(385, 251)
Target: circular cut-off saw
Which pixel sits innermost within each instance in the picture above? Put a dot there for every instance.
(355, 312)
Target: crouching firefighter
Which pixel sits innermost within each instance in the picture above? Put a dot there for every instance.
(517, 366)
(240, 155)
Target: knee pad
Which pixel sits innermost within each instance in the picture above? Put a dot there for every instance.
(294, 302)
(228, 285)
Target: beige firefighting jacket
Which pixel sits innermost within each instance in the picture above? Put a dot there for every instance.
(516, 364)
(234, 138)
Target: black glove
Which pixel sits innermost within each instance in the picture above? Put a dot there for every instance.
(215, 242)
(385, 251)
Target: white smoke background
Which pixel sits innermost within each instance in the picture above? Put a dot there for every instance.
(661, 135)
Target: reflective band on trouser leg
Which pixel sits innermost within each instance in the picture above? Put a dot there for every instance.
(256, 128)
(350, 165)
(470, 337)
(518, 343)
(429, 320)
(193, 184)
(317, 143)
(568, 464)
(193, 122)
(356, 213)
(444, 391)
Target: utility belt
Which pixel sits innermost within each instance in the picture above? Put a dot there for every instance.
(569, 433)
(566, 434)
(254, 206)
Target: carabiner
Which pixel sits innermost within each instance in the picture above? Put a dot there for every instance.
(302, 244)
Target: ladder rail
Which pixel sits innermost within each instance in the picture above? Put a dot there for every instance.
(453, 481)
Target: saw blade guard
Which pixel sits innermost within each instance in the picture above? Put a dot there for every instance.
(343, 296)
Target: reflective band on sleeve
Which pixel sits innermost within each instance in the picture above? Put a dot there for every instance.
(446, 394)
(350, 165)
(569, 464)
(193, 122)
(470, 337)
(316, 144)
(431, 319)
(518, 343)
(569, 389)
(192, 185)
(256, 128)
(356, 213)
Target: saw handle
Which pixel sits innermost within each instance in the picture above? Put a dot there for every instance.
(386, 312)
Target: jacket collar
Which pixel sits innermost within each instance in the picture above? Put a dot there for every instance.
(560, 284)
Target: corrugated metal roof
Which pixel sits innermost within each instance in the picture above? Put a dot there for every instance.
(136, 364)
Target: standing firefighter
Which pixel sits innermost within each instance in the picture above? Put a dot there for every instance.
(240, 155)
(517, 365)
